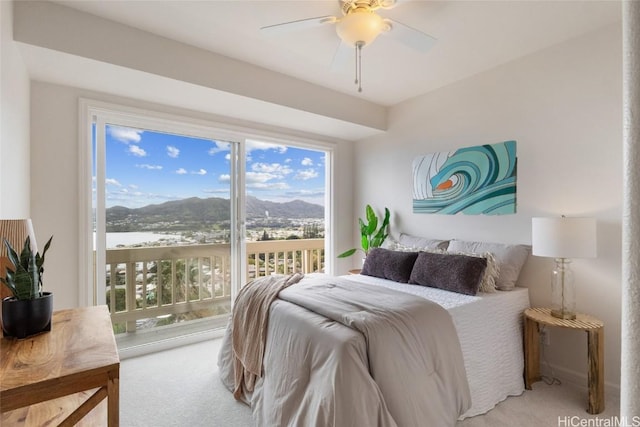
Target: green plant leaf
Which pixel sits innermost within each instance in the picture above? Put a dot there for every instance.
(372, 220)
(26, 254)
(9, 282)
(363, 227)
(365, 243)
(39, 263)
(387, 216)
(25, 281)
(13, 256)
(370, 214)
(22, 280)
(40, 259)
(347, 253)
(370, 235)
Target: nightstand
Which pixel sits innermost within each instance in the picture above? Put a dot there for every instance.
(534, 318)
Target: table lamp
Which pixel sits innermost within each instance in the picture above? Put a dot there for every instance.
(563, 238)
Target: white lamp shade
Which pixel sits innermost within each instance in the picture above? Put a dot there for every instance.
(564, 237)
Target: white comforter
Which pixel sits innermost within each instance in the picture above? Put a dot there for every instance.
(339, 353)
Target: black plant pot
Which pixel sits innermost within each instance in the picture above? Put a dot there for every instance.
(21, 318)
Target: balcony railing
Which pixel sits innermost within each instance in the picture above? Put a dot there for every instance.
(161, 284)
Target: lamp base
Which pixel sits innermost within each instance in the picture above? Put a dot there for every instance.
(561, 314)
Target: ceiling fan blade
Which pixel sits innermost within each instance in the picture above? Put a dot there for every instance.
(409, 36)
(299, 24)
(344, 54)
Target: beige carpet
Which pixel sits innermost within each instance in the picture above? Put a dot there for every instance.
(180, 387)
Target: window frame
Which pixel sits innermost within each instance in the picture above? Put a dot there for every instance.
(177, 123)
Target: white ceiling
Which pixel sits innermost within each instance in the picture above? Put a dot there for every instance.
(473, 36)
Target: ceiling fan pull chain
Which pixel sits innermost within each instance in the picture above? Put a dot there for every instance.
(359, 65)
(355, 51)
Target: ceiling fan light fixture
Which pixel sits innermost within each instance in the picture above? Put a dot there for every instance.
(360, 26)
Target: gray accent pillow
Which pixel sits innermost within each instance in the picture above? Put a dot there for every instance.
(491, 273)
(510, 258)
(456, 273)
(389, 265)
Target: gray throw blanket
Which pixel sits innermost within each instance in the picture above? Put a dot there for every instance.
(250, 318)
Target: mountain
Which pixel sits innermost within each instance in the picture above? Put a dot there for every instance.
(294, 209)
(194, 212)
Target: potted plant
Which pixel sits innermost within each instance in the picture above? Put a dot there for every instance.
(29, 310)
(371, 236)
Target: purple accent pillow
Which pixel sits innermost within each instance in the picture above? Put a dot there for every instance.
(456, 273)
(391, 265)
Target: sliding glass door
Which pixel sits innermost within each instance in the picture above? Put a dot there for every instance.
(164, 223)
(183, 214)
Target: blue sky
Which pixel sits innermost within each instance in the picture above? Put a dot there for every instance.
(145, 167)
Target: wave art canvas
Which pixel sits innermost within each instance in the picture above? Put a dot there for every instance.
(478, 180)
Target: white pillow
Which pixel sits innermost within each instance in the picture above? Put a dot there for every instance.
(509, 258)
(422, 242)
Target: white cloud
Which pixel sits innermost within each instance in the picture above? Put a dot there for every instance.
(133, 186)
(306, 162)
(200, 172)
(181, 171)
(126, 135)
(253, 177)
(260, 181)
(112, 181)
(272, 168)
(218, 147)
(305, 174)
(224, 178)
(150, 167)
(172, 151)
(137, 151)
(268, 185)
(227, 156)
(259, 145)
(288, 160)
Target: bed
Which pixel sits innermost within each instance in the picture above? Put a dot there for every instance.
(489, 327)
(323, 365)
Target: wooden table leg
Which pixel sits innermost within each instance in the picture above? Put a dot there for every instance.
(596, 370)
(113, 399)
(531, 352)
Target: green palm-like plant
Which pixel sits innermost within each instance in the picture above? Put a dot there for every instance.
(371, 235)
(25, 279)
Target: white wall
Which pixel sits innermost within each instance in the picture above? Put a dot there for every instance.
(54, 178)
(14, 123)
(564, 107)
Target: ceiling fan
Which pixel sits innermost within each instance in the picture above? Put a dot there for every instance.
(358, 27)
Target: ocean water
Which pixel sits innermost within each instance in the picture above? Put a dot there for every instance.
(137, 237)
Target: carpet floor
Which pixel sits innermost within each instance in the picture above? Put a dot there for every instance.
(181, 387)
